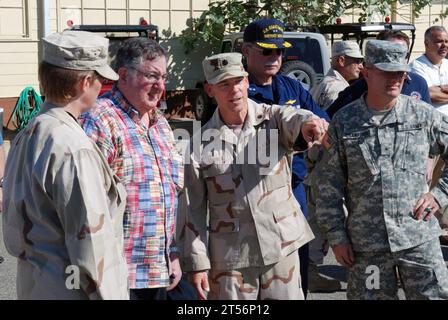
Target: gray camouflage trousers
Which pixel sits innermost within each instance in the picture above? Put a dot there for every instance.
(421, 269)
(280, 281)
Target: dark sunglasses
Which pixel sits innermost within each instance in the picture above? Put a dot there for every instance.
(268, 52)
(354, 60)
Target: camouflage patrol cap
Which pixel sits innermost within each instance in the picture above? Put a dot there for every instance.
(386, 55)
(78, 50)
(223, 66)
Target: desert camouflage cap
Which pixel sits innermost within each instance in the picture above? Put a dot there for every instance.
(348, 48)
(223, 66)
(79, 50)
(386, 55)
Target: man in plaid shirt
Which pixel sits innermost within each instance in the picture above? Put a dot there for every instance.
(138, 143)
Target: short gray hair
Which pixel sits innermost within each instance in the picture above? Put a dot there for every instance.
(135, 50)
(430, 30)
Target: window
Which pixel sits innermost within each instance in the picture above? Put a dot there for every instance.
(226, 46)
(14, 19)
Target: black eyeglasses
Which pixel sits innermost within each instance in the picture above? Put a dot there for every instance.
(268, 52)
(151, 76)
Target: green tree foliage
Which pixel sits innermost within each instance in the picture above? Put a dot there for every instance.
(226, 16)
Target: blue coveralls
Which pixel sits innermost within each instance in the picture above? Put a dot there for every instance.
(287, 91)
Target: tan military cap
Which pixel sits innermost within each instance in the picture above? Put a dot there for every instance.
(346, 48)
(79, 50)
(223, 66)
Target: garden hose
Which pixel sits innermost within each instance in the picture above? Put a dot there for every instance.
(27, 106)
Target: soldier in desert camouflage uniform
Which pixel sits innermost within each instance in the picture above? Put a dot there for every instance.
(376, 160)
(63, 206)
(255, 224)
(346, 65)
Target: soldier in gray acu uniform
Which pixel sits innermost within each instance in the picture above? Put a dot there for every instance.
(255, 224)
(376, 160)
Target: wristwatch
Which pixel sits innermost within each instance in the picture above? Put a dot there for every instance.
(1, 182)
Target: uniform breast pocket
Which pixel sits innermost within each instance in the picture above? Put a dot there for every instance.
(220, 183)
(415, 147)
(361, 163)
(277, 177)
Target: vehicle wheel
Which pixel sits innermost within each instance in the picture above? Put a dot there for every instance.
(301, 72)
(203, 106)
(199, 104)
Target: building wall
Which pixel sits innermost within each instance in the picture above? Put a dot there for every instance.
(20, 32)
(18, 46)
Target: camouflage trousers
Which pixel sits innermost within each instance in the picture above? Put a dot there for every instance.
(280, 281)
(421, 270)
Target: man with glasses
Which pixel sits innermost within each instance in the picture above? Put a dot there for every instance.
(263, 47)
(375, 162)
(346, 65)
(138, 143)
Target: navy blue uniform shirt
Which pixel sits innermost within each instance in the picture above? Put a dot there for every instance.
(287, 91)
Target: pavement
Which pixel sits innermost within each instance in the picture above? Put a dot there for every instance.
(7, 272)
(330, 268)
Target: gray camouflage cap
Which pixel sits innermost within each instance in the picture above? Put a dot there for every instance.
(386, 55)
(79, 50)
(220, 67)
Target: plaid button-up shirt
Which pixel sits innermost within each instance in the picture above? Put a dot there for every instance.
(146, 161)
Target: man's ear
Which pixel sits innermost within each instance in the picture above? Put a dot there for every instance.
(123, 74)
(208, 90)
(341, 61)
(245, 50)
(365, 73)
(85, 83)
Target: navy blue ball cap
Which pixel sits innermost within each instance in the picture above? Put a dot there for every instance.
(266, 33)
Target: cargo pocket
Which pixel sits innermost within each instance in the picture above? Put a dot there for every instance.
(278, 176)
(287, 219)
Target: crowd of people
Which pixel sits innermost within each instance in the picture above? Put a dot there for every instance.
(99, 204)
